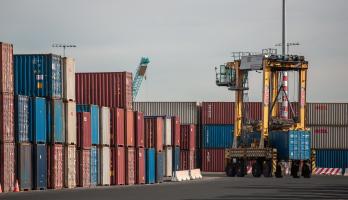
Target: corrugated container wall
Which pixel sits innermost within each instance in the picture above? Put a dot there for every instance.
(105, 165)
(25, 167)
(94, 110)
(129, 128)
(7, 166)
(187, 159)
(150, 166)
(38, 75)
(56, 166)
(83, 130)
(330, 158)
(140, 166)
(159, 167)
(6, 70)
(22, 119)
(186, 111)
(7, 117)
(176, 158)
(68, 79)
(168, 161)
(167, 135)
(94, 165)
(213, 160)
(139, 129)
(40, 166)
(70, 166)
(111, 89)
(118, 165)
(37, 121)
(217, 136)
(329, 137)
(83, 168)
(176, 131)
(56, 116)
(104, 126)
(130, 165)
(70, 122)
(117, 127)
(332, 114)
(154, 128)
(188, 137)
(217, 113)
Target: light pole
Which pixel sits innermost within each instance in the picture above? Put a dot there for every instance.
(64, 46)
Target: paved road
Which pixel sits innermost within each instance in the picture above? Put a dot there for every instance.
(211, 187)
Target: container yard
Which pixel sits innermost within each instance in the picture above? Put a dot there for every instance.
(77, 122)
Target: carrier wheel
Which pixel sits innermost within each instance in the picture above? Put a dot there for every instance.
(256, 169)
(230, 170)
(240, 168)
(267, 169)
(295, 168)
(278, 172)
(306, 171)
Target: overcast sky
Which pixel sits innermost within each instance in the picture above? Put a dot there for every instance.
(185, 40)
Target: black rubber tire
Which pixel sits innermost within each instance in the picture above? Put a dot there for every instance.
(240, 169)
(230, 170)
(306, 171)
(267, 169)
(278, 172)
(256, 169)
(294, 170)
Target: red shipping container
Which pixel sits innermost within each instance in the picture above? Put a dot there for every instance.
(117, 165)
(217, 113)
(7, 166)
(83, 168)
(140, 166)
(139, 128)
(6, 70)
(55, 166)
(130, 166)
(83, 130)
(110, 89)
(129, 128)
(6, 118)
(176, 131)
(213, 160)
(187, 159)
(117, 132)
(154, 127)
(188, 137)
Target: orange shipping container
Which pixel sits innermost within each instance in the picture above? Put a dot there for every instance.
(129, 129)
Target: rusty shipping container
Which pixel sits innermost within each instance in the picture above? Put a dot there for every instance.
(213, 160)
(110, 89)
(6, 118)
(140, 166)
(6, 70)
(117, 131)
(7, 166)
(129, 128)
(186, 111)
(139, 129)
(329, 137)
(56, 166)
(118, 166)
(154, 127)
(327, 114)
(176, 131)
(70, 166)
(84, 130)
(187, 159)
(217, 113)
(188, 137)
(83, 167)
(68, 79)
(130, 165)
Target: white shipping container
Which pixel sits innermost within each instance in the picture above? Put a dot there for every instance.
(70, 122)
(167, 138)
(329, 137)
(168, 161)
(105, 165)
(104, 126)
(70, 166)
(69, 79)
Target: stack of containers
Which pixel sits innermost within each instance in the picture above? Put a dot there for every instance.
(167, 147)
(39, 76)
(104, 149)
(187, 146)
(328, 123)
(130, 147)
(176, 143)
(7, 141)
(70, 122)
(140, 148)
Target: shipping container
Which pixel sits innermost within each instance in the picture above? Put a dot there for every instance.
(7, 118)
(69, 79)
(154, 127)
(329, 137)
(6, 70)
(38, 75)
(140, 166)
(217, 136)
(168, 161)
(176, 131)
(291, 145)
(7, 166)
(83, 168)
(111, 89)
(117, 127)
(94, 166)
(139, 129)
(83, 130)
(94, 110)
(25, 166)
(118, 170)
(70, 122)
(22, 119)
(70, 166)
(176, 158)
(213, 160)
(104, 126)
(130, 165)
(188, 137)
(167, 133)
(38, 120)
(56, 166)
(150, 166)
(217, 113)
(187, 159)
(40, 166)
(105, 165)
(56, 121)
(332, 158)
(327, 114)
(129, 128)
(159, 167)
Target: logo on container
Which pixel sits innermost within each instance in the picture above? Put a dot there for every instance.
(320, 131)
(321, 107)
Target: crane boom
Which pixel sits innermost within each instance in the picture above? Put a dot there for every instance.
(139, 76)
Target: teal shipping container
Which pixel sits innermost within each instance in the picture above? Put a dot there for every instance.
(38, 75)
(55, 121)
(95, 176)
(38, 119)
(217, 136)
(94, 110)
(150, 166)
(332, 158)
(159, 167)
(176, 158)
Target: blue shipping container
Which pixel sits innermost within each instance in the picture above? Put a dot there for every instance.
(150, 166)
(22, 119)
(94, 165)
(40, 166)
(291, 145)
(176, 158)
(38, 120)
(38, 75)
(159, 167)
(331, 158)
(55, 120)
(94, 110)
(24, 166)
(217, 136)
